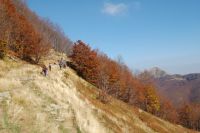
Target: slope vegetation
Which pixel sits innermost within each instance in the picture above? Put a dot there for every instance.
(63, 102)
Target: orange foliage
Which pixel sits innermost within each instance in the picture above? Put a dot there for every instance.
(189, 116)
(112, 77)
(26, 41)
(168, 112)
(115, 78)
(85, 61)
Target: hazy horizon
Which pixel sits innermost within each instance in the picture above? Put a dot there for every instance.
(145, 33)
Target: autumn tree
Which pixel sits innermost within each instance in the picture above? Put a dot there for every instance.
(189, 116)
(51, 33)
(85, 61)
(152, 102)
(23, 38)
(3, 49)
(6, 27)
(109, 76)
(113, 77)
(168, 111)
(195, 116)
(27, 34)
(184, 115)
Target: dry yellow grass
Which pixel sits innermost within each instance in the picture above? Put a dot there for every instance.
(63, 102)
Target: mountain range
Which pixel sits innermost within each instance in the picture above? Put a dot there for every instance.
(177, 88)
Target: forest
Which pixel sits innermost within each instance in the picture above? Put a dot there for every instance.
(25, 35)
(116, 79)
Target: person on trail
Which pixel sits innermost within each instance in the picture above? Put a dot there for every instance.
(49, 67)
(61, 63)
(64, 65)
(45, 70)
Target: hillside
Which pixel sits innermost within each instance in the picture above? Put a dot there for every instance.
(178, 88)
(63, 102)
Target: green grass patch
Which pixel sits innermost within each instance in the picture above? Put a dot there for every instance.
(78, 130)
(63, 129)
(6, 124)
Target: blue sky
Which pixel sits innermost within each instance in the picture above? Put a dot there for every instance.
(146, 33)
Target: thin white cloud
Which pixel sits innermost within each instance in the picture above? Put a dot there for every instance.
(114, 9)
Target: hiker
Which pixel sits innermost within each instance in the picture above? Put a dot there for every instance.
(64, 65)
(45, 70)
(49, 67)
(60, 63)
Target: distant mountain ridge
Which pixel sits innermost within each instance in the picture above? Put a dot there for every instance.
(178, 88)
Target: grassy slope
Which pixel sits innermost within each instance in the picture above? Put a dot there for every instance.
(63, 102)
